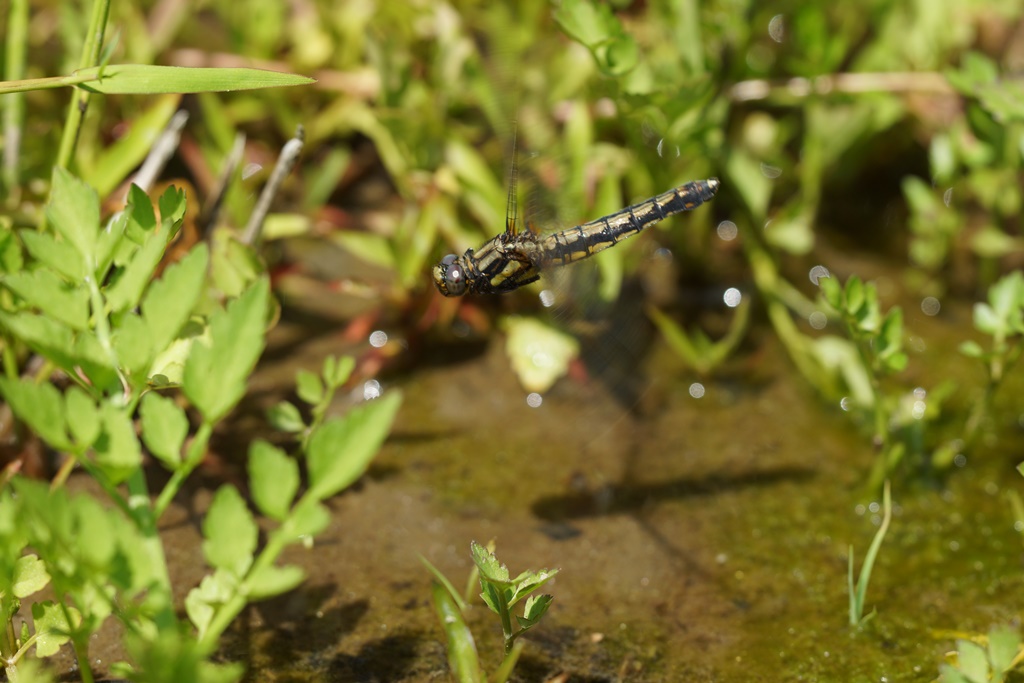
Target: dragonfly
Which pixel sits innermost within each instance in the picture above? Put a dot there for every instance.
(517, 257)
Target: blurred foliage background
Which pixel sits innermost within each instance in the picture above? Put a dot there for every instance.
(889, 129)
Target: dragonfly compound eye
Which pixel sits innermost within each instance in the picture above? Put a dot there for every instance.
(449, 276)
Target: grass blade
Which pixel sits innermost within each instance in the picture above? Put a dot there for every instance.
(857, 596)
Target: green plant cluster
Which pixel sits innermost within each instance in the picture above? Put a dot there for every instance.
(989, 662)
(975, 196)
(87, 301)
(105, 342)
(500, 592)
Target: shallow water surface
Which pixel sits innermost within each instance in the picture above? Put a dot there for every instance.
(698, 539)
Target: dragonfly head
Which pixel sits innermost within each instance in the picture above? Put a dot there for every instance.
(450, 276)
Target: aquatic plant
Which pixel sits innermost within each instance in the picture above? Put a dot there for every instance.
(878, 341)
(990, 662)
(858, 593)
(973, 171)
(500, 593)
(1002, 319)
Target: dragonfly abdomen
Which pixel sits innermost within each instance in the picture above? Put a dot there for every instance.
(590, 238)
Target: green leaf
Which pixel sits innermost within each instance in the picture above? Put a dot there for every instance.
(51, 626)
(140, 217)
(217, 369)
(490, 569)
(991, 242)
(112, 237)
(271, 581)
(986, 320)
(41, 407)
(950, 675)
(172, 205)
(164, 428)
(831, 291)
(973, 661)
(462, 655)
(230, 532)
(586, 22)
(213, 591)
(341, 450)
(234, 266)
(74, 213)
(43, 290)
(896, 362)
(1007, 294)
(744, 173)
(30, 576)
(171, 655)
(117, 450)
(95, 543)
(59, 255)
(1003, 646)
(972, 349)
(791, 231)
(975, 70)
(273, 479)
(371, 248)
(83, 416)
(121, 79)
(536, 607)
(855, 297)
(618, 56)
(46, 337)
(32, 669)
(133, 344)
(493, 596)
(126, 292)
(890, 336)
(170, 300)
(309, 387)
(528, 581)
(307, 520)
(284, 416)
(38, 503)
(443, 580)
(11, 258)
(337, 370)
(168, 368)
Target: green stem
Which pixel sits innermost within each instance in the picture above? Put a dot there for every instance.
(767, 279)
(14, 107)
(226, 614)
(145, 518)
(79, 640)
(979, 409)
(879, 416)
(9, 643)
(1004, 357)
(508, 664)
(80, 101)
(319, 412)
(46, 83)
(103, 333)
(196, 450)
(506, 622)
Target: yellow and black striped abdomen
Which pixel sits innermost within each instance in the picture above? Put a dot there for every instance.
(590, 238)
